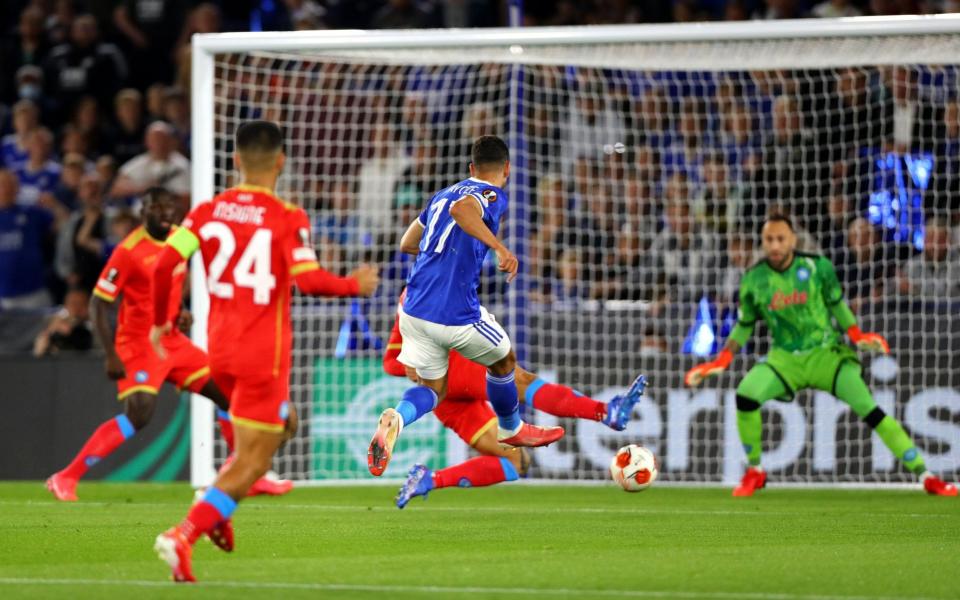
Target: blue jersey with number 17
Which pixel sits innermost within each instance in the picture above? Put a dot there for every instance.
(442, 287)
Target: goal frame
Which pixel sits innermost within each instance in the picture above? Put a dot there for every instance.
(205, 47)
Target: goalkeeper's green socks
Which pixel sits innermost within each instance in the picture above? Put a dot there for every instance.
(750, 426)
(895, 438)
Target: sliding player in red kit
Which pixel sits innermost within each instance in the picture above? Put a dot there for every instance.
(466, 411)
(254, 247)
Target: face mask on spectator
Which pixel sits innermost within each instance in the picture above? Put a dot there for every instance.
(29, 91)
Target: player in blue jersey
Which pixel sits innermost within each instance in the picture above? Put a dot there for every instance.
(442, 312)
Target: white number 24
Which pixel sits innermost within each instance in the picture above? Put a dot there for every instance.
(252, 269)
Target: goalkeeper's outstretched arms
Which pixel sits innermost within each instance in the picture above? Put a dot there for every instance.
(833, 298)
(747, 316)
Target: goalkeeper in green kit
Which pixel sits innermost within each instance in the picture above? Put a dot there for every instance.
(798, 296)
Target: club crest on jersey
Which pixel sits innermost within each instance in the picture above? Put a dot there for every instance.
(489, 195)
(803, 274)
(781, 301)
(141, 376)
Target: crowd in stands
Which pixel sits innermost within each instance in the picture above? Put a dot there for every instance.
(639, 187)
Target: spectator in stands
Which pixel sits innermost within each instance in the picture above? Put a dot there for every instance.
(791, 170)
(718, 204)
(69, 329)
(837, 219)
(28, 46)
(87, 123)
(865, 269)
(835, 9)
(916, 124)
(378, 177)
(570, 286)
(548, 222)
(740, 257)
(58, 22)
(13, 147)
(176, 112)
(25, 232)
(149, 29)
(946, 177)
(684, 254)
(652, 342)
(85, 66)
(594, 128)
(934, 274)
(40, 174)
(418, 183)
(80, 243)
(855, 116)
(402, 14)
(29, 82)
(126, 139)
(336, 223)
(161, 165)
(154, 97)
(65, 192)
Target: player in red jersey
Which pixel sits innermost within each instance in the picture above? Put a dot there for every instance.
(254, 247)
(466, 411)
(130, 361)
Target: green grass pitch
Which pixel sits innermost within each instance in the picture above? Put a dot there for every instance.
(501, 542)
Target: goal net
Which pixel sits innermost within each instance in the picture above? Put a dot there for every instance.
(644, 161)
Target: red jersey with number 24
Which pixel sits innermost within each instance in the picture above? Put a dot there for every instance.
(253, 244)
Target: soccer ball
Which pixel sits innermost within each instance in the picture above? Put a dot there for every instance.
(634, 468)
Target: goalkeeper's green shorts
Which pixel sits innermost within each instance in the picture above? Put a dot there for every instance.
(782, 373)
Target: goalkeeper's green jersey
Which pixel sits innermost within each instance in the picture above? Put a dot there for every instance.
(798, 304)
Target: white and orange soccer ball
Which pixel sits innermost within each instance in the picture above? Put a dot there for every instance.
(634, 468)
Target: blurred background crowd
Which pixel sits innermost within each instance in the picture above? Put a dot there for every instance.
(641, 185)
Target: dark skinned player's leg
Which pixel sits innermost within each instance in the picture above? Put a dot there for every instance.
(254, 455)
(211, 391)
(110, 435)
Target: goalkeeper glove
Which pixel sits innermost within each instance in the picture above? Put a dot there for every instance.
(700, 372)
(868, 341)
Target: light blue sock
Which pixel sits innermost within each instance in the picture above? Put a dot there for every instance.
(219, 499)
(502, 394)
(416, 402)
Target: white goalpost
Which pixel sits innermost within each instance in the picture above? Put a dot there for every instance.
(644, 159)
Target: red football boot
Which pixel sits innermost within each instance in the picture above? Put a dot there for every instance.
(938, 487)
(753, 480)
(222, 535)
(381, 446)
(64, 488)
(172, 548)
(270, 485)
(532, 436)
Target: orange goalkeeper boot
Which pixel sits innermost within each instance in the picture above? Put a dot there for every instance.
(532, 436)
(754, 479)
(172, 548)
(938, 487)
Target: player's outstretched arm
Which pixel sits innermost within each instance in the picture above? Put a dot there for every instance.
(363, 281)
(833, 298)
(697, 374)
(468, 215)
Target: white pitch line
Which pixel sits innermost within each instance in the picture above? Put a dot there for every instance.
(489, 509)
(464, 590)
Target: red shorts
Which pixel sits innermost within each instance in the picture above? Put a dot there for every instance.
(260, 401)
(186, 366)
(465, 410)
